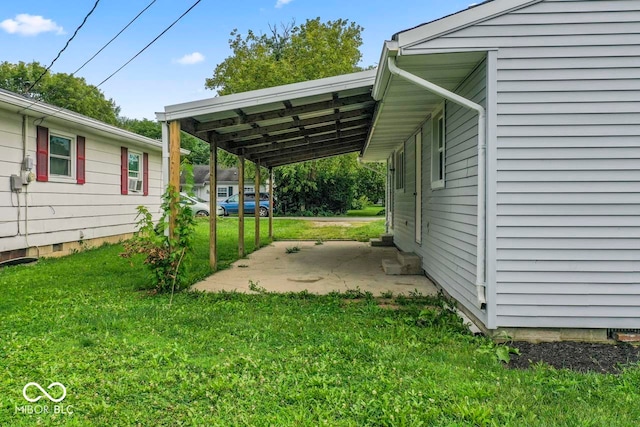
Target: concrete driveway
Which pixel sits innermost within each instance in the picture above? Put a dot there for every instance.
(321, 269)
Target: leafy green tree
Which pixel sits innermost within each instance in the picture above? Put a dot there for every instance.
(60, 89)
(291, 54)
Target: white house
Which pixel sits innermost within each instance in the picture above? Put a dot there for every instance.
(521, 189)
(68, 181)
(511, 131)
(227, 183)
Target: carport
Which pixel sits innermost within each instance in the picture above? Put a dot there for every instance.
(271, 127)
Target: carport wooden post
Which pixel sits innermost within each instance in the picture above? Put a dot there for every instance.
(174, 170)
(271, 203)
(241, 205)
(213, 204)
(256, 209)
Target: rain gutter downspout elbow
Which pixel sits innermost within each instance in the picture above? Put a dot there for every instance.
(482, 148)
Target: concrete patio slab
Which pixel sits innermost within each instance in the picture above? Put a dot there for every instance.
(320, 269)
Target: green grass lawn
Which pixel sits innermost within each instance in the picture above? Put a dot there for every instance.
(128, 358)
(367, 211)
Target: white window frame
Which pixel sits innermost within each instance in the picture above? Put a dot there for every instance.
(249, 189)
(223, 188)
(438, 132)
(139, 180)
(400, 168)
(72, 157)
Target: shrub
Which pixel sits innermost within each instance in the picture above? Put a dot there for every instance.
(164, 254)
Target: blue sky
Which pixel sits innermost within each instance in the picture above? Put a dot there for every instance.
(174, 69)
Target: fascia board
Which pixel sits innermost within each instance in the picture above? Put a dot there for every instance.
(269, 95)
(457, 21)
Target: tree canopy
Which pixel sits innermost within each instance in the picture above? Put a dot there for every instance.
(60, 89)
(292, 54)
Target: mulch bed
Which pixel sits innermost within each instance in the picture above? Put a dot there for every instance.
(577, 356)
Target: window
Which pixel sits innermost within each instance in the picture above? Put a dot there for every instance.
(233, 199)
(400, 169)
(248, 189)
(135, 172)
(438, 144)
(222, 191)
(60, 155)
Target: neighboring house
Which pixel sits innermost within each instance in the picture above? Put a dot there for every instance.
(560, 83)
(86, 179)
(227, 183)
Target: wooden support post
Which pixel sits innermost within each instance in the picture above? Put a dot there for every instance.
(213, 204)
(257, 205)
(241, 206)
(271, 203)
(174, 169)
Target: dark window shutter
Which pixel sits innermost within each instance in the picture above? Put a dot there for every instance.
(145, 173)
(80, 160)
(42, 154)
(124, 170)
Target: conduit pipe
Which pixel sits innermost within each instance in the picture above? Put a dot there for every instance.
(482, 148)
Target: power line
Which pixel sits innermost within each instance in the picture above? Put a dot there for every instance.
(132, 58)
(65, 46)
(150, 43)
(102, 48)
(114, 37)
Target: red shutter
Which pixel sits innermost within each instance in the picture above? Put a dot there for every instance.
(80, 163)
(145, 174)
(124, 170)
(42, 154)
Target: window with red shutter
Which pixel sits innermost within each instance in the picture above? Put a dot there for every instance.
(124, 170)
(42, 154)
(80, 160)
(145, 174)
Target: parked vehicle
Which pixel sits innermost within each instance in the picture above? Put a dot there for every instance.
(230, 204)
(198, 206)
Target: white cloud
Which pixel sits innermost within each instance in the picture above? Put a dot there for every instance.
(30, 25)
(280, 3)
(190, 58)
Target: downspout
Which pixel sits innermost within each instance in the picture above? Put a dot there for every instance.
(482, 147)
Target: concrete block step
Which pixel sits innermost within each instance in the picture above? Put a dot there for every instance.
(380, 242)
(409, 260)
(387, 238)
(391, 267)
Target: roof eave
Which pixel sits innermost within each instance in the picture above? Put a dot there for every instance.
(457, 21)
(269, 95)
(28, 107)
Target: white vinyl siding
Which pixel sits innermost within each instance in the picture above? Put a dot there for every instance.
(567, 233)
(59, 212)
(448, 247)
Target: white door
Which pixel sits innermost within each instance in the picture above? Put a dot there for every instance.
(418, 193)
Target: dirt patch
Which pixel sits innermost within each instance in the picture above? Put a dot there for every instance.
(577, 356)
(331, 224)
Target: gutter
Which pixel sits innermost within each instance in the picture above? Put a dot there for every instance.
(482, 174)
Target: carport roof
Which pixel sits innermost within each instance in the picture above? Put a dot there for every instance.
(285, 124)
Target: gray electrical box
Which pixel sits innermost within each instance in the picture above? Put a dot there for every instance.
(27, 163)
(16, 183)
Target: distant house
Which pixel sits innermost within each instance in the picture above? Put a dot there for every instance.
(227, 183)
(69, 181)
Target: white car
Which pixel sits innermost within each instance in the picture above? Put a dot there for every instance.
(198, 206)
